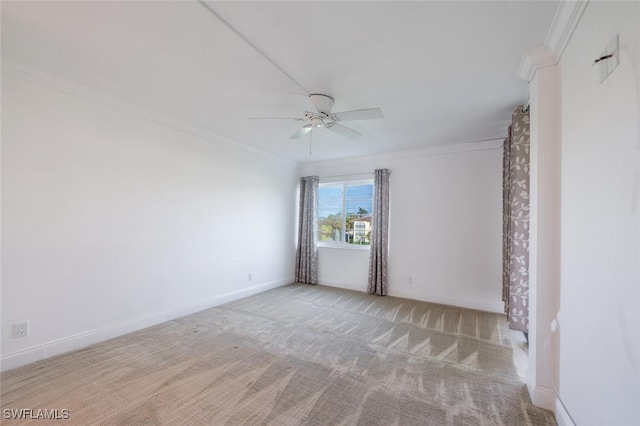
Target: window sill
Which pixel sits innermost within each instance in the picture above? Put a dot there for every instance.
(344, 246)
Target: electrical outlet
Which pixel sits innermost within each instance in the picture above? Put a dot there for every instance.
(21, 329)
(609, 64)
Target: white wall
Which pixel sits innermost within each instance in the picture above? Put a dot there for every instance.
(111, 222)
(445, 226)
(600, 220)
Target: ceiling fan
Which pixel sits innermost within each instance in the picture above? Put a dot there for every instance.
(318, 114)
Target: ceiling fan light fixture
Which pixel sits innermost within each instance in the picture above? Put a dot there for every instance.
(317, 122)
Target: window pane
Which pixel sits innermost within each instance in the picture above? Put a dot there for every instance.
(330, 228)
(359, 207)
(330, 193)
(359, 229)
(352, 204)
(327, 208)
(360, 191)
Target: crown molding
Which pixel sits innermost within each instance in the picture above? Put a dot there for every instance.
(534, 59)
(564, 23)
(69, 87)
(562, 27)
(526, 69)
(413, 153)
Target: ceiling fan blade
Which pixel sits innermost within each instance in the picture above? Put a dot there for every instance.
(301, 132)
(304, 101)
(358, 114)
(343, 131)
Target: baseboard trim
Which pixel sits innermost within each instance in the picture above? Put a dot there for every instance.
(497, 307)
(346, 286)
(562, 417)
(543, 397)
(82, 340)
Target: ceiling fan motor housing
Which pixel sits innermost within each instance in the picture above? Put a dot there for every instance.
(323, 103)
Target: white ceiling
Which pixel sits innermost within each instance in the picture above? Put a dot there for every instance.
(442, 72)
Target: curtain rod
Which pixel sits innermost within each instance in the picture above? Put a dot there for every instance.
(348, 175)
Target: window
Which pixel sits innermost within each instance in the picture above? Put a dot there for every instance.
(344, 213)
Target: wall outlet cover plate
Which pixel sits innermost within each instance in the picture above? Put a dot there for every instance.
(21, 329)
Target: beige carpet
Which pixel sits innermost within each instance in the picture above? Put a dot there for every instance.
(296, 355)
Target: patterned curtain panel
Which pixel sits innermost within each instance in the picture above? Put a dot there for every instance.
(379, 234)
(515, 238)
(307, 252)
(506, 220)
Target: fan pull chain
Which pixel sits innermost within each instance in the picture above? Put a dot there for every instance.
(310, 138)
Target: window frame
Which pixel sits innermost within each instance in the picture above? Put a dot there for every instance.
(343, 244)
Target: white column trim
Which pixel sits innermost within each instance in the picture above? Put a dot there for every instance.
(543, 397)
